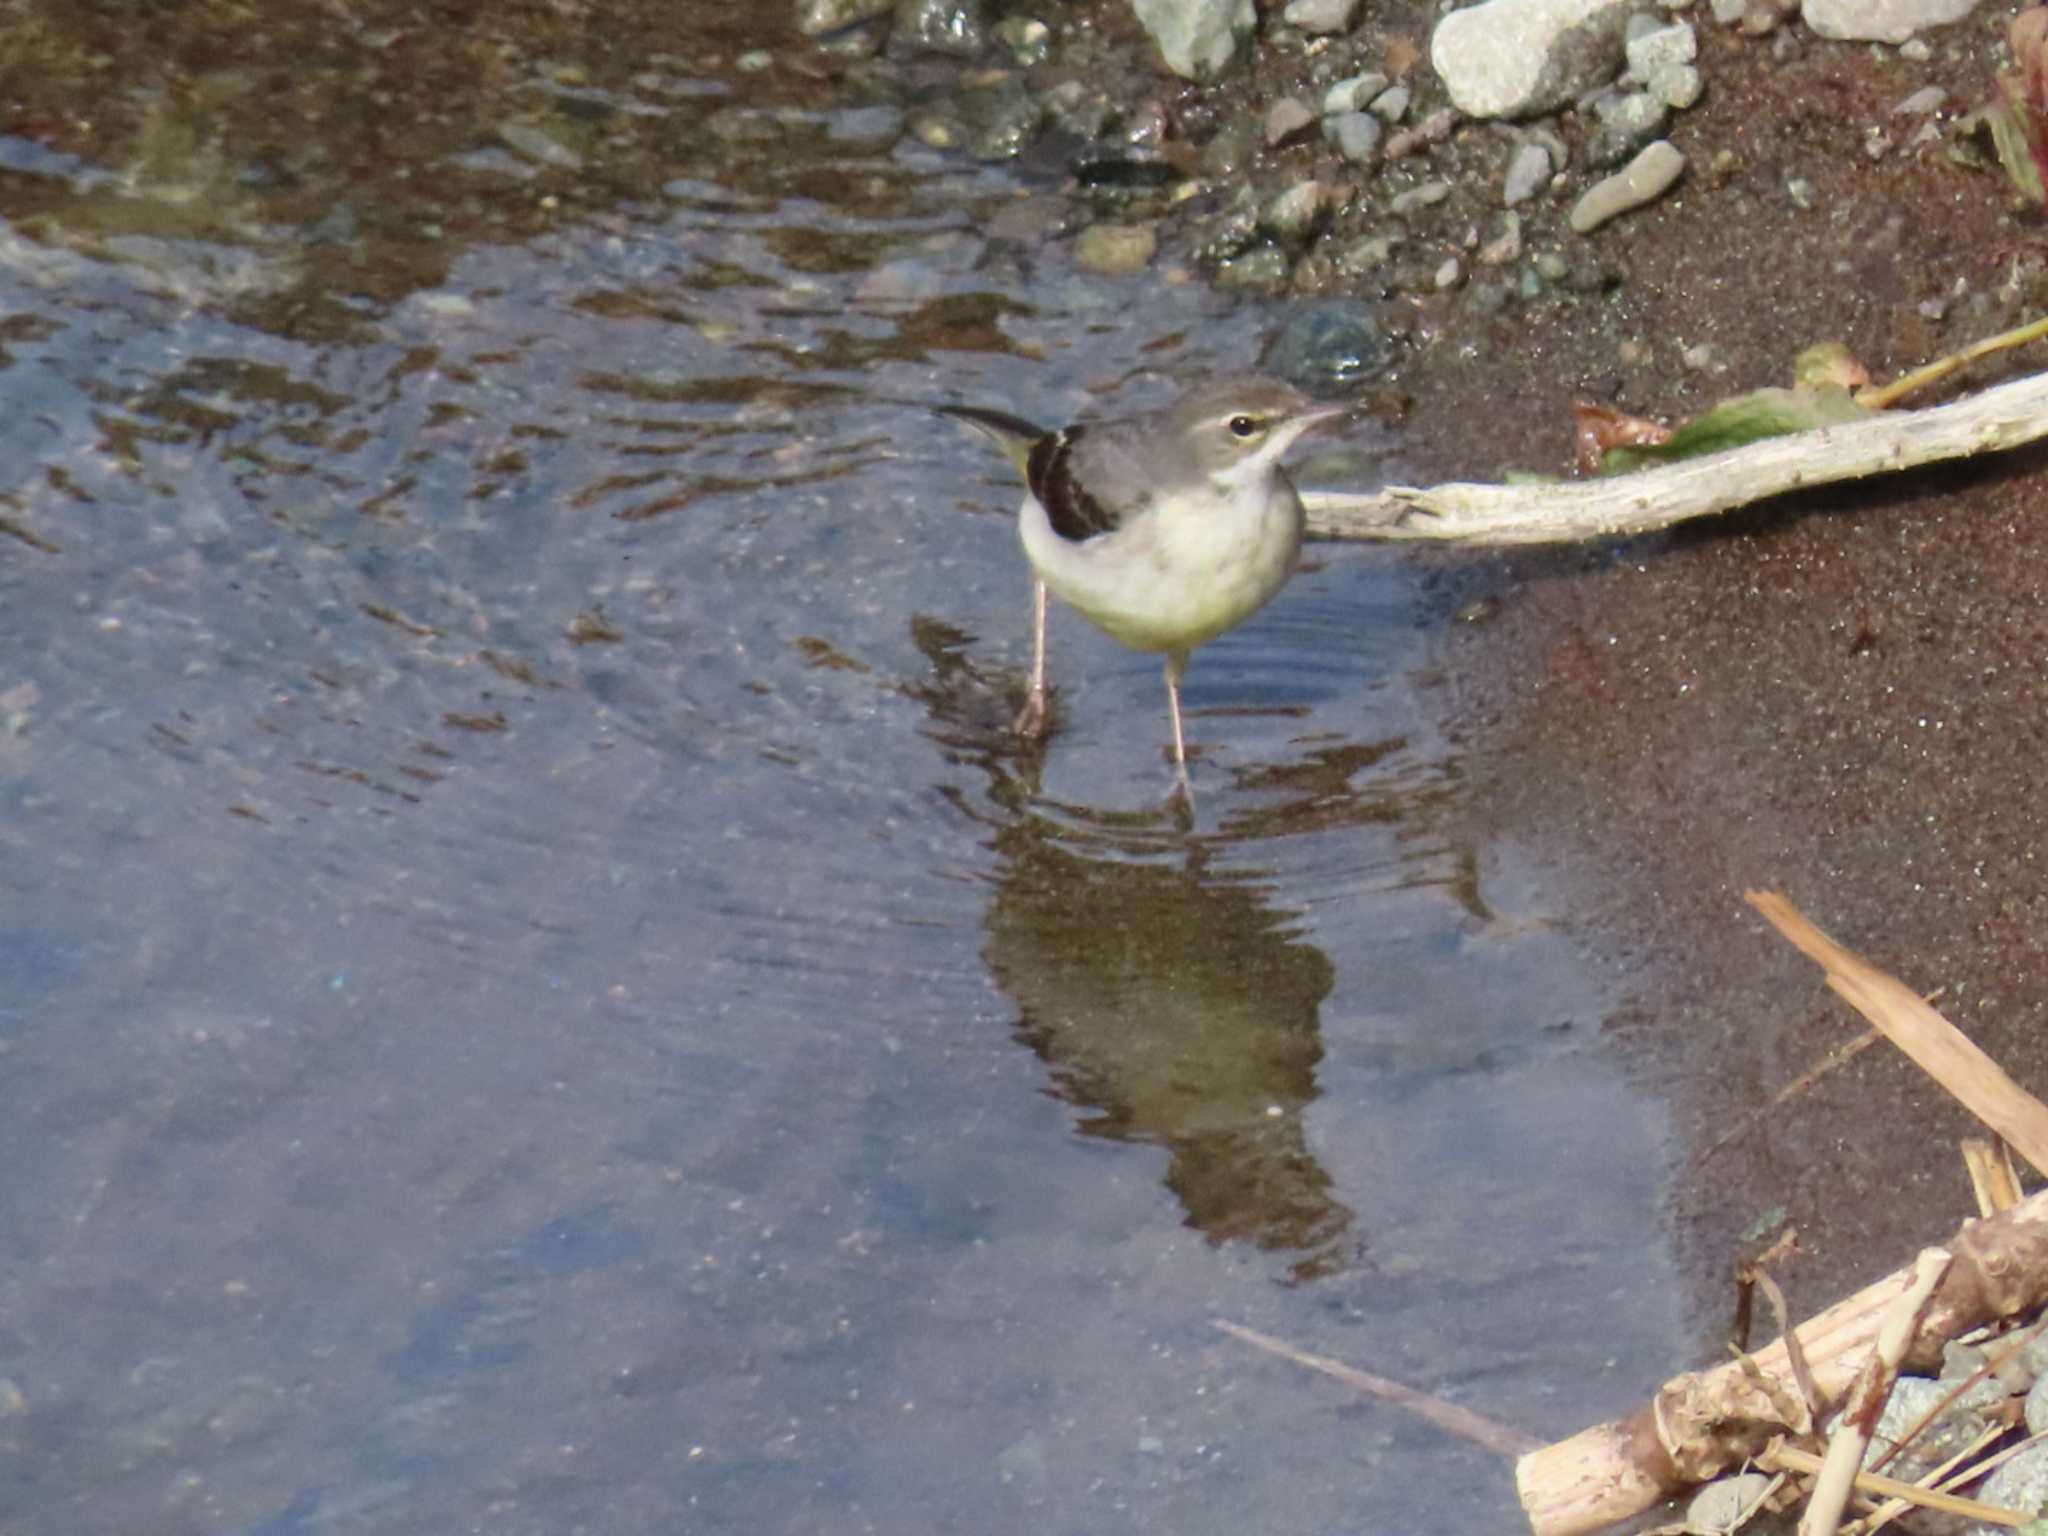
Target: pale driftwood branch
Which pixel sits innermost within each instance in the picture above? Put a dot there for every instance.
(1999, 418)
(1703, 1423)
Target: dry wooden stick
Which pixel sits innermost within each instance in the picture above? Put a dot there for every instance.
(1795, 1460)
(1486, 1433)
(1936, 1046)
(1992, 1177)
(1867, 1394)
(1942, 1479)
(2005, 416)
(1701, 1424)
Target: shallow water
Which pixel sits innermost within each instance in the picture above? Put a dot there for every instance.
(536, 989)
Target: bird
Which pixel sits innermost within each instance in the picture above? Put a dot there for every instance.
(1164, 529)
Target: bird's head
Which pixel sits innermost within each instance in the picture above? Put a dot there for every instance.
(1236, 428)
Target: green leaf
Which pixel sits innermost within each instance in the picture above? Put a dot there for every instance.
(1745, 419)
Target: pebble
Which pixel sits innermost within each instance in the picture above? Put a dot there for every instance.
(1654, 47)
(1428, 193)
(1929, 98)
(1321, 17)
(1356, 135)
(1334, 342)
(1115, 249)
(818, 18)
(1264, 267)
(1529, 172)
(1503, 247)
(1880, 21)
(1433, 129)
(1718, 1509)
(1450, 274)
(1196, 38)
(1510, 58)
(1353, 94)
(1392, 105)
(1678, 86)
(1645, 178)
(1286, 118)
(1294, 214)
(1627, 121)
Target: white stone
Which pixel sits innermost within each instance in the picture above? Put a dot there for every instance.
(1321, 16)
(1880, 21)
(1510, 58)
(1644, 178)
(1660, 46)
(1197, 38)
(1528, 174)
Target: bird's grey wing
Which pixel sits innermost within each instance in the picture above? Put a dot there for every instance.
(1090, 480)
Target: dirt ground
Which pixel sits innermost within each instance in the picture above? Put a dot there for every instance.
(1838, 695)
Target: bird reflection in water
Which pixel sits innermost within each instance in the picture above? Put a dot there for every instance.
(1173, 1007)
(1171, 1004)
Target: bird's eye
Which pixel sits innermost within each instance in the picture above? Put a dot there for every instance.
(1244, 426)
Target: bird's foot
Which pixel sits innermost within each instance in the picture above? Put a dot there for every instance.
(1031, 719)
(1182, 794)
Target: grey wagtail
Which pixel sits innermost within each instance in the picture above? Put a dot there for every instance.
(1164, 529)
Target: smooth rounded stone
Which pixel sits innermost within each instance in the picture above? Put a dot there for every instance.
(1880, 21)
(1285, 119)
(820, 18)
(1392, 104)
(1321, 17)
(1626, 123)
(1450, 274)
(1264, 268)
(1929, 98)
(1728, 12)
(1719, 1507)
(1423, 196)
(1197, 38)
(942, 26)
(1333, 341)
(1295, 213)
(1433, 129)
(1354, 93)
(1678, 86)
(1028, 39)
(1643, 180)
(1528, 173)
(1356, 135)
(1651, 48)
(539, 145)
(1000, 120)
(1115, 249)
(1367, 255)
(2021, 1483)
(1511, 58)
(1503, 247)
(1231, 150)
